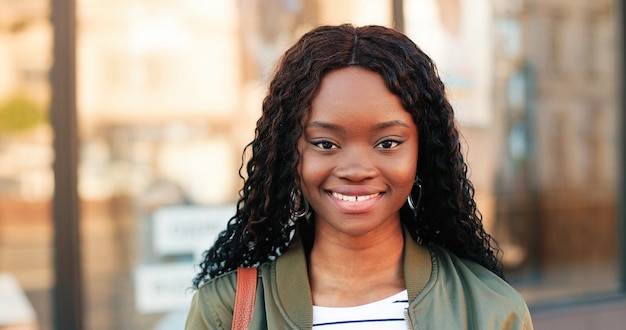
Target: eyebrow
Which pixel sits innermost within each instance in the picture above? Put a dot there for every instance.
(336, 127)
(325, 125)
(392, 123)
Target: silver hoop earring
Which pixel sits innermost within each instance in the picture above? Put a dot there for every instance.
(414, 203)
(300, 205)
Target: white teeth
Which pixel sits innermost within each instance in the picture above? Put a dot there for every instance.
(353, 198)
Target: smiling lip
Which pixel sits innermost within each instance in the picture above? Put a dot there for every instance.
(354, 198)
(355, 203)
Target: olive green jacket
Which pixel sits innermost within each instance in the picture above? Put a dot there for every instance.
(445, 292)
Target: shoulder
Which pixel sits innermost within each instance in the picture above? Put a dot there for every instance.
(469, 273)
(212, 304)
(485, 296)
(219, 289)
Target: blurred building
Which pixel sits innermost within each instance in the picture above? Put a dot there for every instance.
(558, 186)
(168, 93)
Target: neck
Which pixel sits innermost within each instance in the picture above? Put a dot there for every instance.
(353, 270)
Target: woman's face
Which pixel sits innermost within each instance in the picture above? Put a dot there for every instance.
(358, 154)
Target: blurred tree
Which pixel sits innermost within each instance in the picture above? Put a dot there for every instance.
(19, 113)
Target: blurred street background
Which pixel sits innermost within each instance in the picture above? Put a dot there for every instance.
(122, 125)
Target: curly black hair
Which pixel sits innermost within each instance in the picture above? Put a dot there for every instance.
(263, 224)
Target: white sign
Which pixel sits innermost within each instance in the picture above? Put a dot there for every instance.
(15, 309)
(188, 229)
(163, 287)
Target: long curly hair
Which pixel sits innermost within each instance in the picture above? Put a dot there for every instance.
(263, 224)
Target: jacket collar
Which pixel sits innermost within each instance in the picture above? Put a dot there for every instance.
(294, 291)
(418, 266)
(292, 284)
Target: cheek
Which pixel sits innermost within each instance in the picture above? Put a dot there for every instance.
(310, 180)
(405, 176)
(302, 157)
(309, 168)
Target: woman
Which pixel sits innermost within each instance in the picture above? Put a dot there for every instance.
(357, 208)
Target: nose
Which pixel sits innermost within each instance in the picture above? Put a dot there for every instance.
(356, 164)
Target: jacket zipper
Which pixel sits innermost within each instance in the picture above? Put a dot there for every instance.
(407, 318)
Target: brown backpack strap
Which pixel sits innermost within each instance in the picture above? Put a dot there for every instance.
(244, 297)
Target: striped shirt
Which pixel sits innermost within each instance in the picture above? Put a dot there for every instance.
(387, 313)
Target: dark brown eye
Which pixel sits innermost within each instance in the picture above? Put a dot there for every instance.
(324, 144)
(388, 144)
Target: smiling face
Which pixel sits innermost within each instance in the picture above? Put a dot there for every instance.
(358, 154)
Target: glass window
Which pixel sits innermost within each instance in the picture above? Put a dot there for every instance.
(26, 156)
(557, 185)
(168, 93)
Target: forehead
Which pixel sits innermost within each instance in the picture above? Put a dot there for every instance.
(352, 80)
(355, 100)
(351, 93)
